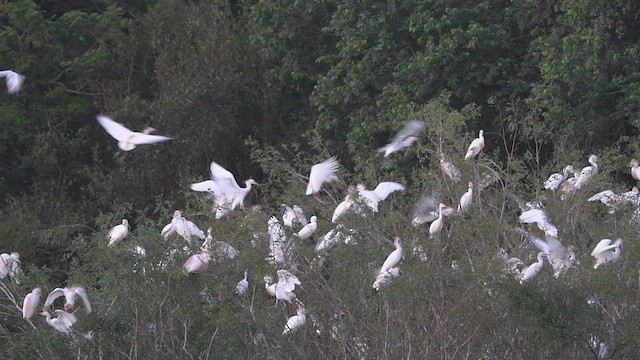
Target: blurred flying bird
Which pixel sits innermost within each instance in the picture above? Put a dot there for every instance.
(14, 80)
(127, 139)
(70, 295)
(404, 138)
(321, 173)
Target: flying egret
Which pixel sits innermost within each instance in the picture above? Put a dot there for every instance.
(127, 139)
(427, 210)
(436, 226)
(381, 192)
(394, 258)
(321, 173)
(465, 199)
(70, 295)
(404, 138)
(606, 252)
(635, 169)
(219, 247)
(295, 322)
(560, 257)
(476, 146)
(30, 303)
(449, 169)
(309, 229)
(14, 80)
(242, 285)
(533, 269)
(587, 172)
(539, 217)
(10, 265)
(118, 232)
(62, 322)
(385, 277)
(197, 263)
(183, 227)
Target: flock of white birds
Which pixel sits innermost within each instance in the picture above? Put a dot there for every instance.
(228, 195)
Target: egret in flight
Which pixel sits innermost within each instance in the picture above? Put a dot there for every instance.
(118, 232)
(14, 80)
(476, 146)
(127, 139)
(295, 214)
(70, 295)
(322, 173)
(381, 192)
(30, 303)
(560, 257)
(404, 138)
(427, 210)
(606, 252)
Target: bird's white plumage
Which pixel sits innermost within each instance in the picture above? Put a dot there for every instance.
(404, 138)
(539, 217)
(10, 266)
(394, 258)
(13, 79)
(466, 199)
(560, 257)
(587, 172)
(30, 303)
(605, 252)
(127, 139)
(436, 226)
(309, 229)
(118, 232)
(427, 210)
(224, 188)
(384, 278)
(70, 295)
(476, 146)
(62, 322)
(635, 169)
(295, 322)
(449, 169)
(533, 269)
(373, 197)
(322, 173)
(242, 285)
(286, 285)
(183, 227)
(197, 263)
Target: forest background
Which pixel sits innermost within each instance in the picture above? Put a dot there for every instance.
(268, 88)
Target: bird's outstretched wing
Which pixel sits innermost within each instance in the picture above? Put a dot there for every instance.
(321, 173)
(85, 299)
(53, 295)
(385, 188)
(115, 129)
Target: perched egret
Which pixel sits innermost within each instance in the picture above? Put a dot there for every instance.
(283, 289)
(436, 226)
(476, 146)
(289, 216)
(14, 80)
(466, 198)
(10, 265)
(394, 258)
(62, 322)
(30, 303)
(219, 247)
(560, 257)
(183, 227)
(242, 285)
(300, 216)
(427, 210)
(587, 172)
(449, 169)
(539, 217)
(321, 173)
(385, 277)
(70, 295)
(635, 169)
(197, 263)
(404, 138)
(345, 205)
(556, 179)
(533, 269)
(118, 232)
(295, 322)
(335, 236)
(606, 252)
(309, 229)
(381, 192)
(127, 139)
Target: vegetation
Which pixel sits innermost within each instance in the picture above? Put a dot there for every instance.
(269, 88)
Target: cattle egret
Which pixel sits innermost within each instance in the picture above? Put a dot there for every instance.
(539, 217)
(556, 179)
(62, 322)
(289, 216)
(197, 263)
(309, 229)
(283, 289)
(295, 322)
(219, 247)
(242, 285)
(385, 277)
(13, 79)
(10, 265)
(559, 257)
(533, 269)
(436, 226)
(127, 139)
(335, 236)
(587, 172)
(404, 138)
(30, 303)
(606, 252)
(635, 169)
(183, 227)
(381, 192)
(427, 210)
(118, 232)
(466, 198)
(476, 146)
(300, 216)
(449, 169)
(321, 173)
(70, 295)
(394, 258)
(345, 205)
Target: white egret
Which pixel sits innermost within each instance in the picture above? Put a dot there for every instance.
(10, 265)
(587, 172)
(127, 139)
(404, 138)
(118, 232)
(321, 173)
(556, 179)
(449, 169)
(219, 247)
(283, 289)
(242, 285)
(385, 277)
(13, 79)
(476, 146)
(289, 216)
(345, 205)
(630, 197)
(427, 210)
(70, 295)
(295, 322)
(381, 192)
(539, 217)
(606, 252)
(183, 227)
(335, 236)
(309, 229)
(62, 322)
(635, 169)
(560, 257)
(30, 303)
(394, 258)
(466, 199)
(300, 216)
(198, 262)
(533, 269)
(436, 226)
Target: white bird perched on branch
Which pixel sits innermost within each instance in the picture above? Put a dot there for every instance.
(404, 138)
(381, 192)
(587, 172)
(449, 169)
(385, 277)
(283, 289)
(322, 173)
(427, 210)
(295, 214)
(476, 146)
(533, 269)
(336, 236)
(198, 262)
(309, 229)
(13, 79)
(295, 322)
(539, 217)
(118, 232)
(127, 139)
(30, 303)
(10, 265)
(219, 247)
(394, 258)
(635, 169)
(436, 226)
(242, 285)
(466, 199)
(223, 186)
(559, 257)
(62, 322)
(345, 205)
(606, 252)
(555, 179)
(70, 295)
(182, 227)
